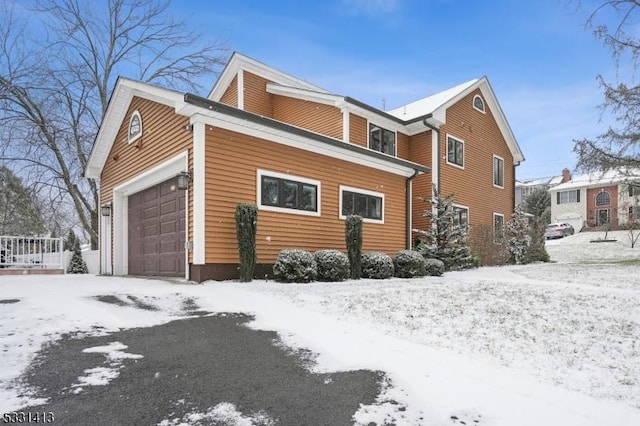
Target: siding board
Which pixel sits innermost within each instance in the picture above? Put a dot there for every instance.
(256, 97)
(319, 118)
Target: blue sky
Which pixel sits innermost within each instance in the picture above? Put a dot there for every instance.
(541, 61)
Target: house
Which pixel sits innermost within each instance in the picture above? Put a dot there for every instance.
(526, 187)
(597, 199)
(173, 166)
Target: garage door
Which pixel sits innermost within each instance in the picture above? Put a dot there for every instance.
(157, 231)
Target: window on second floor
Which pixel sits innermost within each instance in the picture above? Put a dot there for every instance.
(564, 197)
(455, 151)
(382, 140)
(498, 171)
(603, 199)
(478, 103)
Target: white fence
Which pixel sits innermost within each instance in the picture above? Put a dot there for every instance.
(31, 252)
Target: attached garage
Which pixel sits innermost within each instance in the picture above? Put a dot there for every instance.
(156, 231)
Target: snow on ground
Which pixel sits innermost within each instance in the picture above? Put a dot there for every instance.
(552, 344)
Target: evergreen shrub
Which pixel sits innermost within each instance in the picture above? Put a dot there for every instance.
(295, 266)
(435, 267)
(409, 264)
(353, 235)
(377, 265)
(246, 228)
(332, 265)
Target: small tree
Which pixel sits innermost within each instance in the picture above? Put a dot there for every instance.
(246, 227)
(537, 249)
(77, 265)
(518, 238)
(353, 234)
(71, 241)
(538, 203)
(448, 239)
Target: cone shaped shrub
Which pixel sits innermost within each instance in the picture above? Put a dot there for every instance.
(246, 227)
(353, 234)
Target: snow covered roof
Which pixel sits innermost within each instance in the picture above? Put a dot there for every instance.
(545, 181)
(590, 180)
(429, 104)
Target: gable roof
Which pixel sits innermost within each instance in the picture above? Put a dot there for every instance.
(435, 107)
(597, 179)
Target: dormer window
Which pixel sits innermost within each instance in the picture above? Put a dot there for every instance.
(135, 126)
(478, 103)
(382, 140)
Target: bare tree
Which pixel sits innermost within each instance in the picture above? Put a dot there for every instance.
(619, 146)
(55, 83)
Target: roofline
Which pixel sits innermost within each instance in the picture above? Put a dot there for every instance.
(258, 119)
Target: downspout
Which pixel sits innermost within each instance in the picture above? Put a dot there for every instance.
(409, 208)
(435, 129)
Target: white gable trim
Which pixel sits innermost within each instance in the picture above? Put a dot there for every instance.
(239, 61)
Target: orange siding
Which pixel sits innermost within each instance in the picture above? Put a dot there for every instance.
(319, 118)
(163, 137)
(230, 96)
(358, 130)
(402, 149)
(473, 186)
(420, 152)
(232, 163)
(256, 97)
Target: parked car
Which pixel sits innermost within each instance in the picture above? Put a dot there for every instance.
(558, 230)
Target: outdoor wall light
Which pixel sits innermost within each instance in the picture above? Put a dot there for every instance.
(183, 180)
(106, 210)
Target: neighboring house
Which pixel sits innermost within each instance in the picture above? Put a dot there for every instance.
(596, 199)
(306, 157)
(525, 188)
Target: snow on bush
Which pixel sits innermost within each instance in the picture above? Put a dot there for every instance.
(377, 265)
(333, 265)
(295, 266)
(434, 267)
(518, 238)
(409, 264)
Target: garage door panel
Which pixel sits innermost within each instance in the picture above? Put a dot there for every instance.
(157, 228)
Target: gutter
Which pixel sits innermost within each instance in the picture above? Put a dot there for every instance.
(435, 129)
(409, 208)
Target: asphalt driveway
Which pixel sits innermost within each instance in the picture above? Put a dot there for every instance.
(187, 367)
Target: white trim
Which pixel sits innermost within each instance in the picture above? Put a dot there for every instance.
(199, 205)
(134, 114)
(473, 104)
(395, 141)
(435, 160)
(494, 226)
(493, 177)
(446, 153)
(120, 207)
(267, 173)
(260, 131)
(346, 124)
(240, 88)
(305, 94)
(364, 192)
(105, 245)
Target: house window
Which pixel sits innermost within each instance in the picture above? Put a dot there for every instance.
(602, 217)
(603, 199)
(382, 140)
(455, 151)
(478, 103)
(498, 171)
(289, 194)
(135, 126)
(634, 213)
(368, 204)
(498, 228)
(461, 215)
(564, 197)
(634, 190)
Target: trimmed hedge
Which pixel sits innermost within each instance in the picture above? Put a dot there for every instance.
(377, 265)
(435, 267)
(295, 266)
(332, 265)
(409, 264)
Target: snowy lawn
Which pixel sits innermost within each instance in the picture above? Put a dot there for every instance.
(548, 344)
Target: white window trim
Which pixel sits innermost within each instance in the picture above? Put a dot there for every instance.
(395, 145)
(484, 104)
(130, 138)
(360, 191)
(595, 199)
(494, 172)
(460, 206)
(494, 226)
(464, 151)
(268, 173)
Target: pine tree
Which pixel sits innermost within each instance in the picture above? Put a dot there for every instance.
(77, 265)
(448, 239)
(518, 238)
